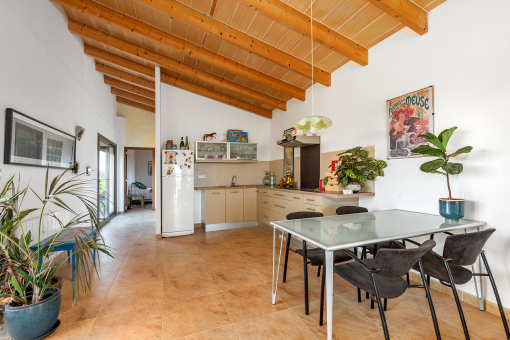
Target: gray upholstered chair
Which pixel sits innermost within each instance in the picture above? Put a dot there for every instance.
(314, 257)
(382, 276)
(459, 251)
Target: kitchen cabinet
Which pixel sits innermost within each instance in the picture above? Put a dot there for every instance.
(211, 151)
(250, 204)
(215, 207)
(234, 205)
(243, 151)
(225, 152)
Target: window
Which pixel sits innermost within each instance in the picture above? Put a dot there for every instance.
(28, 142)
(54, 150)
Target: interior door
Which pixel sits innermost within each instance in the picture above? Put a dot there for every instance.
(107, 178)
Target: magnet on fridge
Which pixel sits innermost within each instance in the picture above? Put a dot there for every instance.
(189, 166)
(184, 153)
(191, 153)
(189, 162)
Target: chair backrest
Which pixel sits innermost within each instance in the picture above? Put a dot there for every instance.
(303, 214)
(398, 262)
(350, 210)
(463, 249)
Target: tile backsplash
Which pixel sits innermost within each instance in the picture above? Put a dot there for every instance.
(221, 173)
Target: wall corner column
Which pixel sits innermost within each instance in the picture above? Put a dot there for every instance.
(157, 167)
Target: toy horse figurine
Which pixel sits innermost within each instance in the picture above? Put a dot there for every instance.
(211, 136)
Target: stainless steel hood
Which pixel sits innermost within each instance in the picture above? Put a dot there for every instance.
(299, 141)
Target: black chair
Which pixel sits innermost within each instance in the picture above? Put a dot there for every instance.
(461, 250)
(314, 257)
(382, 276)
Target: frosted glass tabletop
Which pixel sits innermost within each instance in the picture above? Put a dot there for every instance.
(354, 230)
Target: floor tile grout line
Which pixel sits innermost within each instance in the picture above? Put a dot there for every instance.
(470, 334)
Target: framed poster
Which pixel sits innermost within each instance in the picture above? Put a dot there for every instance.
(408, 117)
(150, 168)
(33, 143)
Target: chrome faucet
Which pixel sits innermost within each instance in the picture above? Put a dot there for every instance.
(234, 181)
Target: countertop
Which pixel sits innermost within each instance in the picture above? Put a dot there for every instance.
(327, 194)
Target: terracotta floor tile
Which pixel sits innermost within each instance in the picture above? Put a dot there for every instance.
(423, 328)
(186, 317)
(179, 269)
(233, 278)
(72, 331)
(145, 324)
(481, 324)
(222, 333)
(86, 308)
(187, 287)
(348, 323)
(149, 276)
(131, 298)
(275, 326)
(417, 296)
(250, 302)
(292, 293)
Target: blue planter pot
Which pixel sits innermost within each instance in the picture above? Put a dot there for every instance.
(33, 321)
(452, 210)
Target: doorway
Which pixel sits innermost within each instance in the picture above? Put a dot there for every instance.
(107, 178)
(135, 164)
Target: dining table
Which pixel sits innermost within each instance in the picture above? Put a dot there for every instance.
(357, 230)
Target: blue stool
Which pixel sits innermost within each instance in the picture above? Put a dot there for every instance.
(67, 236)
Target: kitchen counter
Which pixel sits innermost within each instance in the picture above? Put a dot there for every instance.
(327, 194)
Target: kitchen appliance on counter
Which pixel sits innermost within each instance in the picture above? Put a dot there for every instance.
(177, 187)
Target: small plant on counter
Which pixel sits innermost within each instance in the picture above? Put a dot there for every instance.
(443, 160)
(356, 166)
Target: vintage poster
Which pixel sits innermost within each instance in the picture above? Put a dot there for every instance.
(408, 117)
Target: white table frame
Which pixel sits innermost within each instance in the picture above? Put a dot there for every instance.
(329, 258)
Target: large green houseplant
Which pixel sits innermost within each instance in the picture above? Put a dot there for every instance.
(450, 208)
(27, 269)
(356, 167)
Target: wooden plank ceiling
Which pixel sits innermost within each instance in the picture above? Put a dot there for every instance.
(251, 54)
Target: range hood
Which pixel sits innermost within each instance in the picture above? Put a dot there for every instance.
(299, 141)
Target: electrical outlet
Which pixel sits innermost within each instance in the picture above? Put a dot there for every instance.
(201, 176)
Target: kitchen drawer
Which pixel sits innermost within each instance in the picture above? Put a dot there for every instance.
(313, 200)
(285, 207)
(276, 216)
(265, 192)
(265, 215)
(295, 197)
(280, 194)
(312, 208)
(263, 201)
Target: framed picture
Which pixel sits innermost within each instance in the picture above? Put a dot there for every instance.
(237, 136)
(288, 161)
(34, 143)
(408, 117)
(150, 168)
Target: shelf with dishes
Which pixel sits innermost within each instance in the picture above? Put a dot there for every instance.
(223, 152)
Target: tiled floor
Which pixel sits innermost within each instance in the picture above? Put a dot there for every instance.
(217, 286)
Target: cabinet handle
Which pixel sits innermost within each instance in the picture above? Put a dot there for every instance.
(234, 192)
(296, 197)
(265, 216)
(308, 199)
(279, 206)
(265, 202)
(216, 193)
(310, 209)
(279, 195)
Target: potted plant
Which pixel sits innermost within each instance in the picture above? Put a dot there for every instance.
(29, 301)
(452, 209)
(355, 168)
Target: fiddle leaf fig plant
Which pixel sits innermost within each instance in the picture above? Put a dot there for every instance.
(356, 166)
(443, 159)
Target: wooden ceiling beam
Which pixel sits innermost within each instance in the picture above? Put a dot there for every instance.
(160, 37)
(172, 64)
(133, 97)
(135, 104)
(129, 87)
(190, 16)
(405, 11)
(115, 59)
(125, 76)
(297, 21)
(220, 97)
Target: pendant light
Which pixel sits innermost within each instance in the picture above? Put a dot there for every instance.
(312, 123)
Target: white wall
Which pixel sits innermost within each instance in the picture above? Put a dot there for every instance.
(131, 172)
(45, 74)
(142, 159)
(465, 56)
(186, 114)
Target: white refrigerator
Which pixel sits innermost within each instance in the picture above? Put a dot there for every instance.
(177, 187)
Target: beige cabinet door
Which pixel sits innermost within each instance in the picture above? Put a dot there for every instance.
(214, 206)
(250, 204)
(234, 205)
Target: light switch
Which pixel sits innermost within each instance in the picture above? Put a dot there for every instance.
(201, 176)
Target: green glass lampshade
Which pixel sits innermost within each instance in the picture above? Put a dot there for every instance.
(313, 122)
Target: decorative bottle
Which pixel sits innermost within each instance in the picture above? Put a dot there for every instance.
(267, 179)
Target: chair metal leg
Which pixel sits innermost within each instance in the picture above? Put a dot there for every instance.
(319, 271)
(408, 280)
(385, 304)
(367, 295)
(457, 301)
(323, 286)
(286, 257)
(500, 306)
(381, 310)
(305, 268)
(371, 303)
(364, 253)
(375, 250)
(429, 298)
(359, 295)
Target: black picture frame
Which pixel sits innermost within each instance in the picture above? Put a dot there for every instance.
(150, 168)
(47, 152)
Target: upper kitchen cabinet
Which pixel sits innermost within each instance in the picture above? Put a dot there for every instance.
(223, 152)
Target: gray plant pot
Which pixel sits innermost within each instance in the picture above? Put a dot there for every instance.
(33, 321)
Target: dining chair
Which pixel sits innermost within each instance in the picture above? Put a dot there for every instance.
(459, 251)
(314, 257)
(382, 276)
